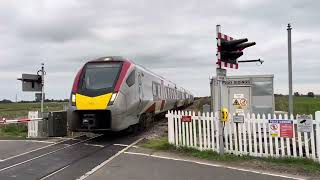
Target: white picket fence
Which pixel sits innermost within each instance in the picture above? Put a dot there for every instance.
(249, 138)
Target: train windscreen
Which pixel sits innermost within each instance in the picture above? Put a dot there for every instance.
(99, 78)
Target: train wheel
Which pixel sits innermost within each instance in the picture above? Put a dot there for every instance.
(142, 122)
(133, 129)
(146, 120)
(150, 120)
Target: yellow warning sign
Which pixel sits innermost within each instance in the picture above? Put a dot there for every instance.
(235, 102)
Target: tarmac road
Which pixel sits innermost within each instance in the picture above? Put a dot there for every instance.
(109, 158)
(66, 160)
(142, 167)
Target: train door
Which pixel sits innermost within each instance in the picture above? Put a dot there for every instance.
(140, 90)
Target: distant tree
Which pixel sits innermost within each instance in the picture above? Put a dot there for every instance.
(296, 94)
(278, 95)
(310, 94)
(5, 101)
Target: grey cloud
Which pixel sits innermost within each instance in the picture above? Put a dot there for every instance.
(176, 39)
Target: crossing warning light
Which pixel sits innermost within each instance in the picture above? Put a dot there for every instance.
(230, 49)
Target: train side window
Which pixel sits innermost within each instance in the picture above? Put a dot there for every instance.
(154, 89)
(131, 78)
(167, 92)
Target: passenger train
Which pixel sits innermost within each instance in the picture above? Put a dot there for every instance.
(114, 93)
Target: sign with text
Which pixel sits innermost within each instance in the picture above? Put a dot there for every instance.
(238, 96)
(221, 74)
(38, 96)
(281, 128)
(238, 119)
(304, 123)
(237, 82)
(186, 118)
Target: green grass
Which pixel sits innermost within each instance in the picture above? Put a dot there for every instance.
(306, 165)
(159, 144)
(14, 131)
(301, 104)
(16, 110)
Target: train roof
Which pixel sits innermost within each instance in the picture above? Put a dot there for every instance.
(123, 59)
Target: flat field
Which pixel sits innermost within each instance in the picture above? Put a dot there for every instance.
(301, 104)
(14, 110)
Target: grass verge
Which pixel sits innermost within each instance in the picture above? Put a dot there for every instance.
(303, 165)
(14, 131)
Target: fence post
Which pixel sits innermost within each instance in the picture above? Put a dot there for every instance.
(33, 126)
(317, 118)
(170, 127)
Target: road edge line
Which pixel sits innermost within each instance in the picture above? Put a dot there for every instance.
(25, 140)
(124, 145)
(89, 173)
(215, 165)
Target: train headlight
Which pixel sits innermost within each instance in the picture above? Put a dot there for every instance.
(113, 98)
(73, 99)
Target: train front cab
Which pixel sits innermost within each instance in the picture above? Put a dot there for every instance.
(94, 92)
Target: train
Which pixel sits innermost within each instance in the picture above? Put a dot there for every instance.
(114, 93)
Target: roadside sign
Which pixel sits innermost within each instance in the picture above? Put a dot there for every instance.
(243, 102)
(235, 102)
(304, 123)
(286, 129)
(38, 97)
(221, 74)
(274, 128)
(238, 119)
(31, 82)
(238, 96)
(240, 111)
(281, 128)
(186, 119)
(237, 82)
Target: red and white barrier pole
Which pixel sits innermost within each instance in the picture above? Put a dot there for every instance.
(21, 120)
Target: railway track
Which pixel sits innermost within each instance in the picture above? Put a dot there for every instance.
(69, 159)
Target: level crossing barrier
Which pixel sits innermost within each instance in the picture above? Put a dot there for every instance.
(252, 137)
(34, 123)
(20, 120)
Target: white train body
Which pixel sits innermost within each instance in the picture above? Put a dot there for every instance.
(112, 94)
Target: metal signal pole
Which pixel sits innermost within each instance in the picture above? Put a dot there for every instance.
(290, 70)
(42, 86)
(218, 73)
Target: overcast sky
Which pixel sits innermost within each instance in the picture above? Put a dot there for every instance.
(175, 39)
